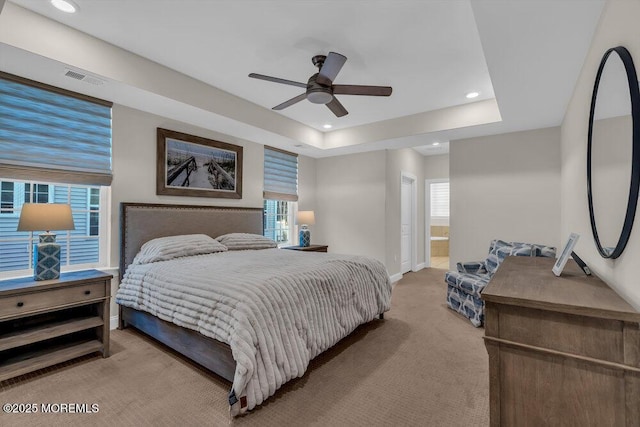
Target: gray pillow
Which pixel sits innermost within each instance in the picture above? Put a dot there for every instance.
(166, 248)
(245, 241)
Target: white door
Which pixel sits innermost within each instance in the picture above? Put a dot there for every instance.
(406, 221)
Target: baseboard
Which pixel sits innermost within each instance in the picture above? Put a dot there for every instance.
(395, 278)
(113, 322)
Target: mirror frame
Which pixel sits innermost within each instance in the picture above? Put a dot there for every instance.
(634, 92)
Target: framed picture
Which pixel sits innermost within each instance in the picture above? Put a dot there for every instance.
(189, 165)
(564, 256)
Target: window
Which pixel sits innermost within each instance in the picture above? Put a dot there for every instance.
(280, 175)
(50, 134)
(280, 194)
(440, 199)
(278, 221)
(55, 147)
(94, 212)
(6, 197)
(80, 248)
(40, 193)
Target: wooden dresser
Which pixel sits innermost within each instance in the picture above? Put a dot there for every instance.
(563, 351)
(43, 323)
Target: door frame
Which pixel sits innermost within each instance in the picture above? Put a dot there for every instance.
(427, 217)
(414, 219)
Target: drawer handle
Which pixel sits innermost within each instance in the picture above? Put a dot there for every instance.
(20, 304)
(87, 292)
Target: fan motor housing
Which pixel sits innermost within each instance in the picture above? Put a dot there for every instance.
(317, 93)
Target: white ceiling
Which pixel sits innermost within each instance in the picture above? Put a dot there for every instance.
(529, 52)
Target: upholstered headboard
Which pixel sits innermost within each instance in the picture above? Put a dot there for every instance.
(141, 222)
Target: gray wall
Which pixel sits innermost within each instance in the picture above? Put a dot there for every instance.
(504, 186)
(436, 167)
(350, 204)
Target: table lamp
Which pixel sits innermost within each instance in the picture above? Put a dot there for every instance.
(305, 218)
(46, 253)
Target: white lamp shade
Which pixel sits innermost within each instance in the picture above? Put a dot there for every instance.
(45, 217)
(306, 217)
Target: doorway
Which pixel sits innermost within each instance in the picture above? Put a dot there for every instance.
(437, 223)
(408, 226)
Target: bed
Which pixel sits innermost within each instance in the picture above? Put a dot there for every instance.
(254, 317)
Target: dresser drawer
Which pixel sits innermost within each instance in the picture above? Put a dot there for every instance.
(26, 303)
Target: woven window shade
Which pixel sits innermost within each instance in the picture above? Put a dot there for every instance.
(50, 134)
(280, 175)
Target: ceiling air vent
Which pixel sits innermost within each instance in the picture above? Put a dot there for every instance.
(84, 77)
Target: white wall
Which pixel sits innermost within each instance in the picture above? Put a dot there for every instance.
(504, 186)
(436, 167)
(410, 161)
(350, 204)
(307, 184)
(618, 26)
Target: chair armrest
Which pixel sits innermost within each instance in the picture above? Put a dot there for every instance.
(474, 267)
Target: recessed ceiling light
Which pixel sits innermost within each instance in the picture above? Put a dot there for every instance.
(471, 95)
(66, 6)
(436, 143)
(327, 126)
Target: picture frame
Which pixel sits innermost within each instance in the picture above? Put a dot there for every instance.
(564, 255)
(189, 165)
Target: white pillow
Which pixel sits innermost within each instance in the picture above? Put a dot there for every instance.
(244, 241)
(166, 248)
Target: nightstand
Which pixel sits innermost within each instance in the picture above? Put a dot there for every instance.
(310, 248)
(43, 323)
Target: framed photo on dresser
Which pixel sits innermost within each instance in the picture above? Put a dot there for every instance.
(565, 254)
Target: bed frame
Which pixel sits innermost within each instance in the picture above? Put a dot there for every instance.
(141, 222)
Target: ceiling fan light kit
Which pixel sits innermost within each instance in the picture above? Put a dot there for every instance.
(320, 88)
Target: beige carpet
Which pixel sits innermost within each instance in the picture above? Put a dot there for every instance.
(424, 365)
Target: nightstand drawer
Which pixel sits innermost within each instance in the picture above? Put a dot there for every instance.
(26, 303)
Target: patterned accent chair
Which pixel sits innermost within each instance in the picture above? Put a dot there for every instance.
(465, 285)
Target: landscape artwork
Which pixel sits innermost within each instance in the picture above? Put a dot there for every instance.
(189, 165)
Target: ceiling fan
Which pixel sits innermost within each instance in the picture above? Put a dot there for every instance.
(320, 88)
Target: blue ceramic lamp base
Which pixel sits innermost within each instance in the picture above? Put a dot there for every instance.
(46, 258)
(305, 237)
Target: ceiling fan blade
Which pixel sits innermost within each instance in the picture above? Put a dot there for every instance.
(290, 102)
(277, 80)
(330, 69)
(362, 90)
(337, 108)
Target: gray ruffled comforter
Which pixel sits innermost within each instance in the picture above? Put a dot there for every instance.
(277, 309)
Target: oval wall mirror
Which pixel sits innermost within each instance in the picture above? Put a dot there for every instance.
(613, 152)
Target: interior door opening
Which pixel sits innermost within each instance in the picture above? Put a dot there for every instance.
(437, 223)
